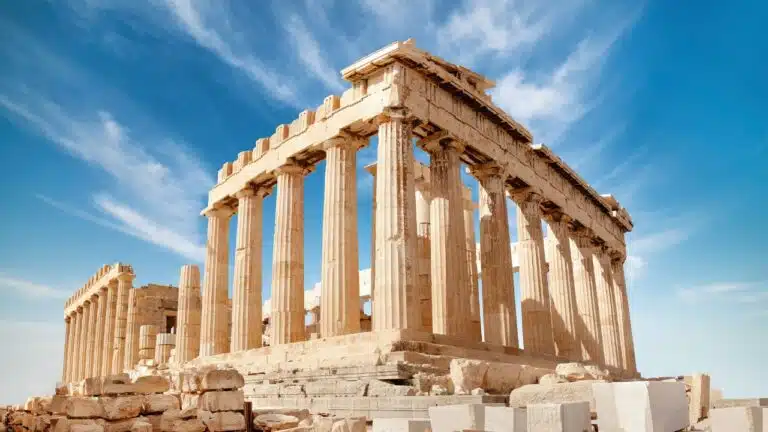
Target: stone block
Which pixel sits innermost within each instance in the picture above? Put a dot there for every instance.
(728, 403)
(65, 425)
(225, 400)
(117, 384)
(651, 406)
(181, 421)
(273, 421)
(83, 407)
(738, 419)
(467, 375)
(122, 425)
(222, 421)
(158, 403)
(86, 428)
(58, 404)
(350, 425)
(378, 388)
(121, 407)
(189, 400)
(450, 418)
(698, 401)
(400, 425)
(560, 417)
(505, 419)
(556, 393)
(151, 384)
(141, 426)
(221, 379)
(301, 414)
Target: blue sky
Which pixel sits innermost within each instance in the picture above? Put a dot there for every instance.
(115, 116)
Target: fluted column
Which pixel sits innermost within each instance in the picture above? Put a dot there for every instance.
(246, 293)
(606, 300)
(371, 168)
(562, 289)
(132, 331)
(164, 343)
(90, 350)
(109, 329)
(423, 254)
(287, 319)
(188, 325)
(124, 284)
(98, 343)
(471, 248)
(147, 341)
(450, 290)
(67, 348)
(395, 299)
(340, 285)
(77, 348)
(214, 325)
(622, 311)
(535, 302)
(499, 316)
(586, 297)
(85, 362)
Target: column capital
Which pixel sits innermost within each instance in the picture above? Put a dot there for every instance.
(253, 191)
(525, 195)
(94, 297)
(441, 140)
(67, 318)
(220, 212)
(556, 214)
(582, 236)
(344, 139)
(126, 277)
(79, 309)
(617, 256)
(483, 171)
(292, 168)
(394, 113)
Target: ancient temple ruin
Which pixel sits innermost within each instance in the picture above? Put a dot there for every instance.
(440, 292)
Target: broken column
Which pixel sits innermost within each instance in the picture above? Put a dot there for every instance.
(339, 275)
(246, 292)
(147, 341)
(287, 318)
(164, 343)
(496, 259)
(188, 325)
(213, 326)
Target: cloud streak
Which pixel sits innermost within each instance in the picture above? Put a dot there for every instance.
(31, 289)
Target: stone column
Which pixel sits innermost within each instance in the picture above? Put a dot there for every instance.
(395, 303)
(67, 348)
(474, 290)
(562, 289)
(124, 283)
(371, 168)
(622, 308)
(188, 324)
(164, 343)
(423, 254)
(87, 342)
(535, 304)
(98, 345)
(77, 347)
(109, 329)
(606, 300)
(90, 359)
(246, 293)
(147, 341)
(213, 326)
(499, 316)
(287, 319)
(132, 331)
(586, 297)
(340, 284)
(450, 291)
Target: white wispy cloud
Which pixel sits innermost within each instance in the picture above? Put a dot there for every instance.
(738, 291)
(31, 289)
(310, 54)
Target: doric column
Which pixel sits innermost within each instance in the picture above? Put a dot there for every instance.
(582, 250)
(147, 341)
(132, 331)
(109, 329)
(535, 302)
(90, 350)
(188, 325)
(371, 168)
(77, 347)
(622, 308)
(287, 319)
(164, 343)
(340, 285)
(67, 348)
(423, 253)
(474, 289)
(88, 323)
(499, 317)
(606, 300)
(246, 293)
(98, 350)
(213, 326)
(562, 288)
(395, 303)
(450, 291)
(124, 284)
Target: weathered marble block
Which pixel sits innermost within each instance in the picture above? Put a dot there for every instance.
(559, 417)
(739, 419)
(450, 418)
(647, 406)
(400, 425)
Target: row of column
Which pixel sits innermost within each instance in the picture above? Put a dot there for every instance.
(578, 311)
(95, 332)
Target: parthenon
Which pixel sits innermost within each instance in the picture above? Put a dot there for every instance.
(439, 290)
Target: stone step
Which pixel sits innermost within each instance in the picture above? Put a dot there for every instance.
(389, 371)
